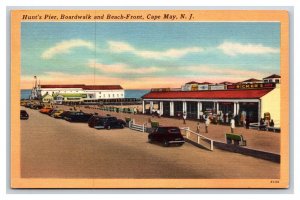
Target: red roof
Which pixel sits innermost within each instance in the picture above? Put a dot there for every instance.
(63, 86)
(102, 87)
(273, 76)
(226, 82)
(205, 83)
(192, 82)
(86, 87)
(252, 80)
(208, 94)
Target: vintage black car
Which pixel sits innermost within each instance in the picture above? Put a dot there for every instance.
(24, 114)
(78, 117)
(109, 123)
(94, 120)
(166, 136)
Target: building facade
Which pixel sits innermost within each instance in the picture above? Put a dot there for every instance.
(249, 99)
(86, 92)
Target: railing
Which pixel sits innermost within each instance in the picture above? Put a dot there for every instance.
(188, 133)
(137, 127)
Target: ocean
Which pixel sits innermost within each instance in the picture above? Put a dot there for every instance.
(128, 93)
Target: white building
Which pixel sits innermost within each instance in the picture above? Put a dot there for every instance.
(272, 79)
(93, 92)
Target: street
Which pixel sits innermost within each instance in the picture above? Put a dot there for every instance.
(55, 148)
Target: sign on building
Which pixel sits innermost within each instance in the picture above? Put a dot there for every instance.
(217, 87)
(251, 86)
(202, 87)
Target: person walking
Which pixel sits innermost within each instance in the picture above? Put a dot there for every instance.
(232, 125)
(207, 122)
(198, 127)
(184, 117)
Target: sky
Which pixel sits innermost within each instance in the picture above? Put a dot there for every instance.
(147, 55)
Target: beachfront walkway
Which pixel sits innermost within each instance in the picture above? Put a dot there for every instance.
(260, 140)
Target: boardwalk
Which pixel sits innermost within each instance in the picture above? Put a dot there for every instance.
(53, 148)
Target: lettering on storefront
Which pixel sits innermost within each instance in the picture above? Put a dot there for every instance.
(251, 86)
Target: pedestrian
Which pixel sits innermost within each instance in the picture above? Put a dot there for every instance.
(207, 122)
(271, 123)
(247, 123)
(232, 125)
(184, 117)
(178, 115)
(198, 127)
(158, 113)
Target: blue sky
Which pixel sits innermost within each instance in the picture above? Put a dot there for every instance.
(145, 55)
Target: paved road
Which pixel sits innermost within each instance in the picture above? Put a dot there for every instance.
(54, 148)
(260, 140)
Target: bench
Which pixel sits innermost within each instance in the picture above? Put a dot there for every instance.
(154, 124)
(236, 139)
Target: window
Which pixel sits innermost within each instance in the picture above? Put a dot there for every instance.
(277, 81)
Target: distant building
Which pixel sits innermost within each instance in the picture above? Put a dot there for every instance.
(91, 91)
(85, 92)
(47, 98)
(272, 79)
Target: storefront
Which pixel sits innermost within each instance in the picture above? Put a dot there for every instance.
(251, 103)
(191, 109)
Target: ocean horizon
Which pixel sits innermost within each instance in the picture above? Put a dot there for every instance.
(25, 93)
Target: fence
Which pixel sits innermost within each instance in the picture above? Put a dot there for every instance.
(200, 137)
(137, 127)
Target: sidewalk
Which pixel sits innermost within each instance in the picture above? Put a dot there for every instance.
(260, 140)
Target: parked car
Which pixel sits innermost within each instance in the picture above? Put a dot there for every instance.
(64, 114)
(45, 110)
(166, 136)
(37, 107)
(57, 113)
(108, 123)
(78, 117)
(94, 120)
(24, 114)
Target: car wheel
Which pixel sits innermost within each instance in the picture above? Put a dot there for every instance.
(150, 140)
(166, 143)
(122, 126)
(108, 127)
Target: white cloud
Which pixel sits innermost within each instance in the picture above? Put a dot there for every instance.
(121, 68)
(120, 47)
(65, 46)
(233, 49)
